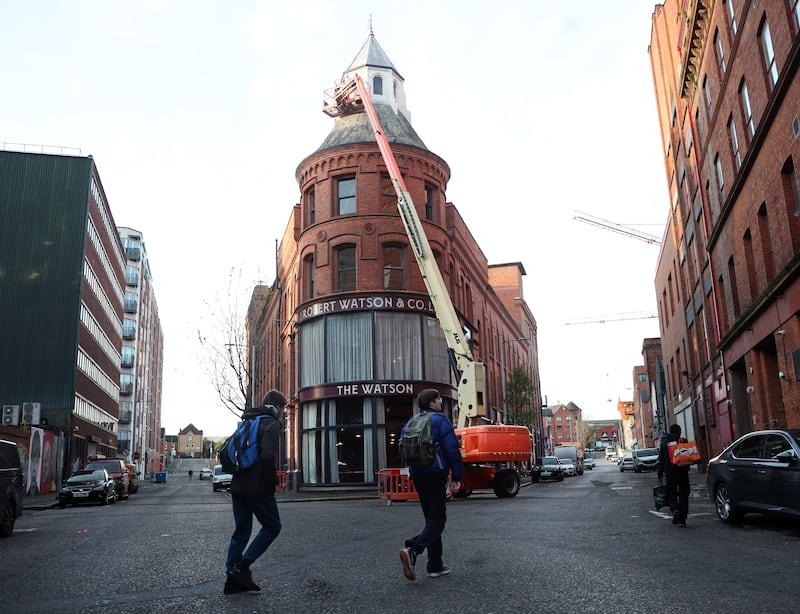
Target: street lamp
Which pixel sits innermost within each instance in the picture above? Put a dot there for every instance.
(503, 373)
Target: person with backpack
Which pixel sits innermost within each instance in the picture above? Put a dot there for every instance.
(253, 493)
(678, 486)
(430, 480)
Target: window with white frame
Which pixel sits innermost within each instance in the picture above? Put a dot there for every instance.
(737, 157)
(769, 54)
(731, 17)
(747, 110)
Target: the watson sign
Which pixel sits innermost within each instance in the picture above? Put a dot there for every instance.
(363, 389)
(389, 302)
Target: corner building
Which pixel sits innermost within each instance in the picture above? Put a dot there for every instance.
(348, 330)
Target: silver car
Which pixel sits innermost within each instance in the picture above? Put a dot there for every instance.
(568, 467)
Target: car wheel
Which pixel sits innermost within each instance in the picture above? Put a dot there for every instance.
(8, 520)
(62, 504)
(506, 483)
(722, 503)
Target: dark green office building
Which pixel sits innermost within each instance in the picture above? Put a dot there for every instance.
(62, 284)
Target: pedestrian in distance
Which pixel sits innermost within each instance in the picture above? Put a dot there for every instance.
(678, 486)
(431, 485)
(253, 495)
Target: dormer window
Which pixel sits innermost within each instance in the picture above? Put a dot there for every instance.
(377, 85)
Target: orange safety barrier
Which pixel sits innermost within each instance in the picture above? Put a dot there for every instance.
(281, 480)
(394, 484)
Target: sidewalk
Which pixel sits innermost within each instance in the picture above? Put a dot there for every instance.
(48, 501)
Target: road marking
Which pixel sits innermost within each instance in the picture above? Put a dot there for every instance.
(622, 488)
(24, 530)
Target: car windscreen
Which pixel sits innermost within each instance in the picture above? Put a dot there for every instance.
(646, 452)
(85, 476)
(550, 461)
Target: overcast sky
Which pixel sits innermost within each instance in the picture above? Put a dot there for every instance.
(197, 114)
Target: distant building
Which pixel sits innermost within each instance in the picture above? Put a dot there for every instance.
(142, 360)
(728, 279)
(62, 285)
(190, 442)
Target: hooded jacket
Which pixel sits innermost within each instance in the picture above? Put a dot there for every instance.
(260, 479)
(448, 456)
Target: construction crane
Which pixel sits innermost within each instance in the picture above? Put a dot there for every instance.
(615, 317)
(492, 454)
(618, 228)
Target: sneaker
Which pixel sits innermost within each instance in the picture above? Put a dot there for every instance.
(438, 574)
(232, 587)
(409, 559)
(244, 578)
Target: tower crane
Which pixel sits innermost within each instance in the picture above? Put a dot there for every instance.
(618, 228)
(615, 317)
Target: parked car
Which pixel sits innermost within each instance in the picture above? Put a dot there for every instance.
(645, 458)
(133, 478)
(220, 479)
(759, 472)
(205, 473)
(567, 467)
(88, 486)
(625, 462)
(115, 467)
(588, 462)
(11, 487)
(551, 469)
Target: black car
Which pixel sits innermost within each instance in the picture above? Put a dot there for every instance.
(10, 487)
(88, 486)
(759, 472)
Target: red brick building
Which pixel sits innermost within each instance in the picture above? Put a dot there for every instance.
(727, 282)
(348, 330)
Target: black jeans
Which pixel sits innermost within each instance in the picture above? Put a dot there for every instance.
(678, 490)
(433, 500)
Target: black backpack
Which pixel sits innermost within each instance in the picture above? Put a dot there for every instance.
(417, 447)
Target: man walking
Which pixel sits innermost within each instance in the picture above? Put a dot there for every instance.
(431, 485)
(678, 486)
(253, 494)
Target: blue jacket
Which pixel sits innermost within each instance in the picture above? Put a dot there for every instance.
(449, 453)
(262, 477)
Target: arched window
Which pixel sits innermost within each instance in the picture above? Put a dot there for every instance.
(345, 268)
(393, 272)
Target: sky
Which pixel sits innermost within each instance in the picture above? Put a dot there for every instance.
(198, 112)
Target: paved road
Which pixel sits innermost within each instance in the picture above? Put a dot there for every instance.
(591, 543)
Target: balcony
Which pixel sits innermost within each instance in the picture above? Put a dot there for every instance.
(126, 388)
(132, 279)
(129, 332)
(130, 306)
(125, 416)
(133, 253)
(127, 361)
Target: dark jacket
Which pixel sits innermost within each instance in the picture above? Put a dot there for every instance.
(449, 453)
(261, 478)
(664, 464)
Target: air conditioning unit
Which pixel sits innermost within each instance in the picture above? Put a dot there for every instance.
(10, 415)
(31, 413)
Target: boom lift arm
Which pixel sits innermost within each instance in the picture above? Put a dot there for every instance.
(352, 97)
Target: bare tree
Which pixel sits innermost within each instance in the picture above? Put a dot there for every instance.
(225, 349)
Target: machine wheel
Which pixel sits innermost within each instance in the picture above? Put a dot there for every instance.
(722, 503)
(506, 483)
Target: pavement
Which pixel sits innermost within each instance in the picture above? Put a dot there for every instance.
(48, 501)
